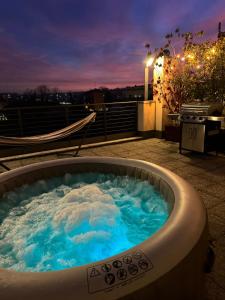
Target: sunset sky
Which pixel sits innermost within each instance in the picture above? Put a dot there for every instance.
(77, 45)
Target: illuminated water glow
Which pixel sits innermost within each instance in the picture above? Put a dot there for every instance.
(75, 220)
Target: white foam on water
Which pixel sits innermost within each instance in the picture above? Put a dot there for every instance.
(75, 220)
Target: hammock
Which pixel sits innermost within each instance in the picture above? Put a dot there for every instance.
(49, 137)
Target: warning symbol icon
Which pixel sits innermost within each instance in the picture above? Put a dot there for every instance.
(106, 267)
(143, 264)
(94, 272)
(109, 278)
(117, 264)
(122, 274)
(137, 255)
(132, 269)
(127, 259)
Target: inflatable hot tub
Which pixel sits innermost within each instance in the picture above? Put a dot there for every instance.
(168, 265)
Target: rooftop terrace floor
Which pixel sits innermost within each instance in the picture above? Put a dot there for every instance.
(205, 172)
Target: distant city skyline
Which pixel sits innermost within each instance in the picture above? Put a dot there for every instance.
(80, 45)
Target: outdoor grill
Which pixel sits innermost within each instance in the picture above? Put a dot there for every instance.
(200, 127)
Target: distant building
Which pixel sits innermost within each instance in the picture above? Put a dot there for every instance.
(95, 96)
(221, 34)
(135, 92)
(132, 93)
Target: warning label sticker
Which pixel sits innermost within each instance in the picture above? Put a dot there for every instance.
(119, 271)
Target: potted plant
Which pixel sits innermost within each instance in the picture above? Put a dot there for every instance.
(196, 72)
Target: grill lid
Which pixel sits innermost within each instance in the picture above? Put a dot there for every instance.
(205, 109)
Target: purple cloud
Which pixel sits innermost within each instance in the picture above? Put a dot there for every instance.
(78, 45)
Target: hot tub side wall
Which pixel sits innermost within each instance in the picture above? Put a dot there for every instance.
(186, 281)
(181, 281)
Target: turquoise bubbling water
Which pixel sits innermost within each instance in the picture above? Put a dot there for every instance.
(75, 220)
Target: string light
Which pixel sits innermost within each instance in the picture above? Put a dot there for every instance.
(213, 50)
(190, 56)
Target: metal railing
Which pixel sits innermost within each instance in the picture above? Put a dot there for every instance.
(112, 118)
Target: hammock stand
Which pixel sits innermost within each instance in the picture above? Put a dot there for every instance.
(50, 137)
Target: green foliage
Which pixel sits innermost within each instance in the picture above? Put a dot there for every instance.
(198, 72)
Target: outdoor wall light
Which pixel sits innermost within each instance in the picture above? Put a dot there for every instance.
(149, 60)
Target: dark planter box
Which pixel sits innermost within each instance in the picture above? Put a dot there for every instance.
(172, 133)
